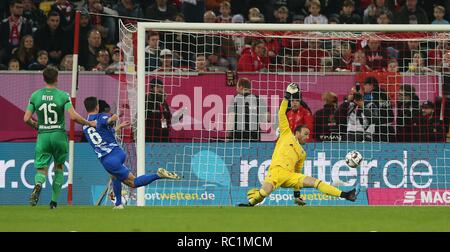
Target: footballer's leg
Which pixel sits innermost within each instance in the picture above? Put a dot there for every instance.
(60, 151)
(256, 196)
(42, 159)
(39, 179)
(58, 181)
(117, 188)
(328, 189)
(163, 173)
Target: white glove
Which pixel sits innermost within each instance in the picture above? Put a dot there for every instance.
(290, 90)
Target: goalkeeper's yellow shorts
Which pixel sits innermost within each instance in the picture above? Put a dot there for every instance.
(280, 177)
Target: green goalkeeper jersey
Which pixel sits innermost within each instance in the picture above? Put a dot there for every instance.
(49, 105)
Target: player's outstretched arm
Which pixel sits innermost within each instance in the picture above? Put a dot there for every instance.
(28, 120)
(291, 90)
(80, 120)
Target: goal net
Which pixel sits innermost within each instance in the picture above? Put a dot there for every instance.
(204, 98)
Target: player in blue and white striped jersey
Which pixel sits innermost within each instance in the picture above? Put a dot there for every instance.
(102, 138)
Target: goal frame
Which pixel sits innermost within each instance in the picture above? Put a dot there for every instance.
(142, 27)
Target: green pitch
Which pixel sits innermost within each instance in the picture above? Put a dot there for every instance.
(227, 219)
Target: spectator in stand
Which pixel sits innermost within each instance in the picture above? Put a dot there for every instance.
(417, 65)
(376, 55)
(435, 55)
(300, 114)
(359, 63)
(152, 51)
(428, 126)
(411, 14)
(348, 14)
(439, 14)
(393, 81)
(384, 17)
(184, 45)
(193, 10)
(85, 27)
(360, 119)
(408, 110)
(314, 13)
(166, 58)
(66, 12)
(88, 52)
(12, 29)
(239, 41)
(310, 59)
(106, 25)
(117, 65)
(41, 62)
(161, 10)
(406, 54)
(127, 8)
(66, 63)
(201, 63)
(342, 56)
(324, 120)
(376, 98)
(245, 114)
(273, 48)
(255, 15)
(103, 60)
(216, 63)
(52, 38)
(341, 114)
(225, 12)
(372, 11)
(158, 116)
(26, 52)
(298, 19)
(13, 65)
(35, 15)
(282, 15)
(254, 58)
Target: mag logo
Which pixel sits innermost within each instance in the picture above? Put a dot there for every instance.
(402, 196)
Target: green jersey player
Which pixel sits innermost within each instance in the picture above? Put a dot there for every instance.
(49, 104)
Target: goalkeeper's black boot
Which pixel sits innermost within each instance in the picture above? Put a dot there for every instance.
(53, 205)
(350, 195)
(245, 205)
(34, 198)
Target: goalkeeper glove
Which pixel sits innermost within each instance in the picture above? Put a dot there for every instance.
(292, 91)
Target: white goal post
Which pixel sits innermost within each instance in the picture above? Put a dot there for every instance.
(143, 27)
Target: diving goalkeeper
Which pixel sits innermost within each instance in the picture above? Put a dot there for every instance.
(287, 161)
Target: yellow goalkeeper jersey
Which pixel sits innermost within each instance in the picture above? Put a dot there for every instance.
(288, 153)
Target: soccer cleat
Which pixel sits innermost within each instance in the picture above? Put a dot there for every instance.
(163, 173)
(119, 207)
(351, 195)
(245, 205)
(34, 198)
(53, 205)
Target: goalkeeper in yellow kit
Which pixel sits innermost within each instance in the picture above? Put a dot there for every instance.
(287, 161)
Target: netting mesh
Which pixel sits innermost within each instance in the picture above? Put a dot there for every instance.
(212, 100)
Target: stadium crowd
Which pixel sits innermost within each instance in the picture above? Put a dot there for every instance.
(36, 33)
